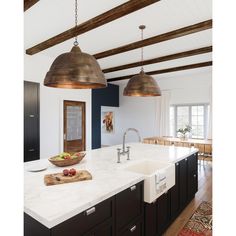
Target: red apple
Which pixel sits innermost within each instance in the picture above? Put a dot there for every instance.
(65, 172)
(72, 171)
(67, 157)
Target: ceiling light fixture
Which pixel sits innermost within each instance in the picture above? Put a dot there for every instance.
(142, 85)
(75, 69)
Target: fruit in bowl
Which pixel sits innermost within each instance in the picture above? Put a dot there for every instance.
(67, 159)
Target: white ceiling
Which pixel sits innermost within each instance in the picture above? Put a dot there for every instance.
(48, 18)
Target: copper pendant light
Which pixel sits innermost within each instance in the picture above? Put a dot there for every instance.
(142, 85)
(75, 69)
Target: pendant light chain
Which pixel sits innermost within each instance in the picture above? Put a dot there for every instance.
(142, 50)
(76, 21)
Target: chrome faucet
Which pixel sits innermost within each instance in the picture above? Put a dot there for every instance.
(127, 149)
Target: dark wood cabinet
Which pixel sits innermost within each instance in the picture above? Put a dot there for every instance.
(150, 215)
(174, 195)
(157, 215)
(129, 205)
(163, 212)
(31, 121)
(183, 175)
(192, 175)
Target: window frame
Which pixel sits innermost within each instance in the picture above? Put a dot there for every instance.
(190, 105)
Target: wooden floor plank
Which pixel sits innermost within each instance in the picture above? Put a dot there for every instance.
(204, 194)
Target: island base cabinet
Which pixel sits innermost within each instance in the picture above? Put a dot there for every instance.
(120, 215)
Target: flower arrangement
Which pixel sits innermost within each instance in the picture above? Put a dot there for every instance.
(184, 131)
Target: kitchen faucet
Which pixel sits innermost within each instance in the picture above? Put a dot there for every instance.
(127, 150)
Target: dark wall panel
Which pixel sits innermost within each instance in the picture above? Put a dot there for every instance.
(108, 96)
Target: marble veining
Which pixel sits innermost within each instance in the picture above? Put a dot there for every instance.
(51, 205)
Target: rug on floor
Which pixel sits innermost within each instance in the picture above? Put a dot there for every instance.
(200, 223)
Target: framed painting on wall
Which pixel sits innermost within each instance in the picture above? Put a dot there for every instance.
(108, 118)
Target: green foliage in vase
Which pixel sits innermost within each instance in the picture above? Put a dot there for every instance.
(185, 130)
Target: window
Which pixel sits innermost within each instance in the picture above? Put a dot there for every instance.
(194, 115)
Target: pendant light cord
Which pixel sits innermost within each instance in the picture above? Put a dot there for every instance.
(76, 22)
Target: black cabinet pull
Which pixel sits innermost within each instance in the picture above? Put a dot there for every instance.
(132, 229)
(90, 211)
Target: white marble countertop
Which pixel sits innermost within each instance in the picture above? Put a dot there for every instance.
(51, 205)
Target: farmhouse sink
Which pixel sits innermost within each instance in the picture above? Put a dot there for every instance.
(159, 177)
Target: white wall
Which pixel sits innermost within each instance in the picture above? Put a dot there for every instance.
(134, 112)
(51, 100)
(144, 113)
(195, 88)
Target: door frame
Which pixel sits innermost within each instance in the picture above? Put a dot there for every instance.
(83, 124)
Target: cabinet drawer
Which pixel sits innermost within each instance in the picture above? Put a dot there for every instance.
(104, 229)
(135, 229)
(85, 221)
(129, 205)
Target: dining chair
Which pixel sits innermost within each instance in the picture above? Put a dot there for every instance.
(167, 143)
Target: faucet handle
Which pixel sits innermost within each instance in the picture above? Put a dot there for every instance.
(128, 152)
(118, 154)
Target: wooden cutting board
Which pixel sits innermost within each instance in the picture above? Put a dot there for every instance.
(59, 178)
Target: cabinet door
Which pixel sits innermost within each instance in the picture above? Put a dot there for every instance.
(163, 212)
(31, 121)
(129, 205)
(150, 218)
(192, 176)
(174, 194)
(183, 175)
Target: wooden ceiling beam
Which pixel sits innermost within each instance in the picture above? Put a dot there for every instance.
(111, 15)
(157, 39)
(161, 59)
(168, 70)
(29, 3)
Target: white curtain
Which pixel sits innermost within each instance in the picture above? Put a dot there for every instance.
(165, 113)
(209, 125)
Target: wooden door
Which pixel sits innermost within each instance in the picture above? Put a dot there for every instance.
(74, 126)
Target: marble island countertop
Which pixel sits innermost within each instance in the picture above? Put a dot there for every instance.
(51, 205)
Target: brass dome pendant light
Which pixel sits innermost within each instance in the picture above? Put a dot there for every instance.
(75, 69)
(142, 85)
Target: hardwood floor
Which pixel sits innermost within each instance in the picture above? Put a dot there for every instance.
(204, 194)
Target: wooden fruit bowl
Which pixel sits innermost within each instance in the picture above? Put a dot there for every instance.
(66, 162)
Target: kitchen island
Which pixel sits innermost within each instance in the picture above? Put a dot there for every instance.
(52, 210)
